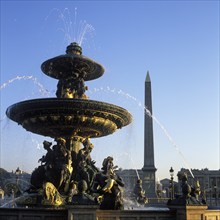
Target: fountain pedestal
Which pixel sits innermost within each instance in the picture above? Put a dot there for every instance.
(192, 212)
(189, 212)
(82, 212)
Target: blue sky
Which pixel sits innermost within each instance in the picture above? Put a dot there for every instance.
(177, 41)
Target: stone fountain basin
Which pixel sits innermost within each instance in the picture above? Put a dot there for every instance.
(63, 66)
(55, 117)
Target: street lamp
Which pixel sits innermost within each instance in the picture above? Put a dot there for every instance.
(171, 183)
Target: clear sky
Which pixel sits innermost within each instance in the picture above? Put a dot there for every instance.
(177, 41)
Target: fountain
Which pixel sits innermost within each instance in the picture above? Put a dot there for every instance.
(67, 184)
(71, 119)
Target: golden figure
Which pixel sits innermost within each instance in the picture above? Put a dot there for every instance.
(51, 195)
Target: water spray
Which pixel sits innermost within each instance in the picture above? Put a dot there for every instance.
(128, 96)
(42, 90)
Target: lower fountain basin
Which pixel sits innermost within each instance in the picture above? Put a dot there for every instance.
(55, 117)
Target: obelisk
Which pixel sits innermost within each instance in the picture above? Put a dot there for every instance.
(149, 169)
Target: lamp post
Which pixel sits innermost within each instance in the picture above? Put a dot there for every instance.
(171, 183)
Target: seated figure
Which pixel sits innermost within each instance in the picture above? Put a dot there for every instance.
(82, 198)
(140, 193)
(107, 184)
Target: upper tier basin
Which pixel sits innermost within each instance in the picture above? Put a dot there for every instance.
(65, 66)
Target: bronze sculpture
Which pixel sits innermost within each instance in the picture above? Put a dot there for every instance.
(139, 193)
(107, 184)
(190, 194)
